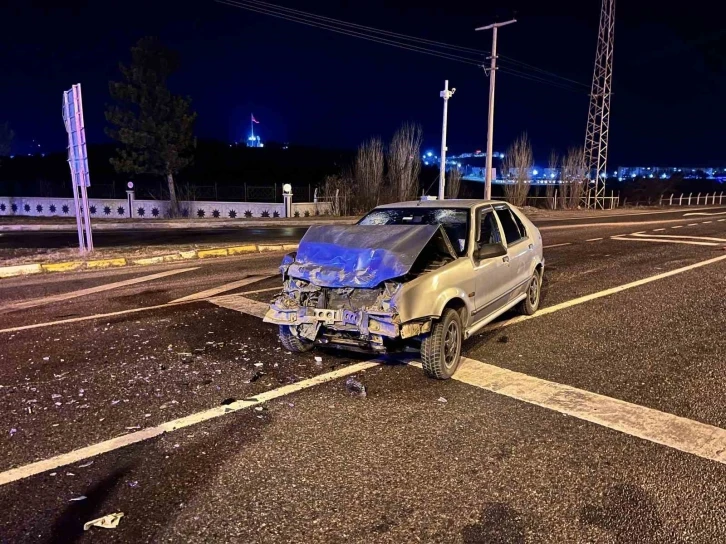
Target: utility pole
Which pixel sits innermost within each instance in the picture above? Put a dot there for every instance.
(445, 94)
(492, 82)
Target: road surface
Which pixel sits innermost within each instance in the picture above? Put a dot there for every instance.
(157, 392)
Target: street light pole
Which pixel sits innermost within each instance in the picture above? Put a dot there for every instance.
(490, 128)
(445, 94)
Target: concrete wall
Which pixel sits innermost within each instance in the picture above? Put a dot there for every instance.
(107, 208)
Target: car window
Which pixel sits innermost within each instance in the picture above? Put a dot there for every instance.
(489, 231)
(520, 226)
(455, 221)
(511, 230)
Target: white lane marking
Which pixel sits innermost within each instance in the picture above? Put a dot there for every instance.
(628, 224)
(657, 230)
(221, 289)
(278, 288)
(661, 241)
(593, 239)
(557, 245)
(704, 213)
(91, 290)
(89, 317)
(721, 220)
(600, 294)
(675, 432)
(692, 224)
(677, 227)
(682, 236)
(706, 222)
(633, 214)
(635, 233)
(106, 446)
(242, 304)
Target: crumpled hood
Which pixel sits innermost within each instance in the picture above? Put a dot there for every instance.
(360, 256)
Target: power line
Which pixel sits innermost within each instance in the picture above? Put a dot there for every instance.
(310, 15)
(351, 33)
(328, 23)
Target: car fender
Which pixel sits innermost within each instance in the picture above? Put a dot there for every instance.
(450, 294)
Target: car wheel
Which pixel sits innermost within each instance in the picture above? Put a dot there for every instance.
(441, 349)
(534, 291)
(293, 343)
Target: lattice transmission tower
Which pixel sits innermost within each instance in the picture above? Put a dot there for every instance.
(598, 118)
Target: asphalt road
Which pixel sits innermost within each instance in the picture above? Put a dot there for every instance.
(242, 234)
(599, 437)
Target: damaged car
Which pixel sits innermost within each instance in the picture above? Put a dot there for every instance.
(427, 274)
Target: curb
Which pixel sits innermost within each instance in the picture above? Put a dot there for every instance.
(68, 266)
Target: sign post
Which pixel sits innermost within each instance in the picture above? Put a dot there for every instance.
(78, 163)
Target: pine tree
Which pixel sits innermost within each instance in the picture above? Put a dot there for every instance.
(154, 125)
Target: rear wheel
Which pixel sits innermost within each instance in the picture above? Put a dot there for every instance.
(530, 304)
(293, 343)
(441, 349)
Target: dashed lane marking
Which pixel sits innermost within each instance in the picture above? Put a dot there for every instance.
(675, 432)
(256, 291)
(692, 224)
(557, 245)
(98, 289)
(657, 230)
(677, 227)
(661, 241)
(600, 294)
(221, 289)
(721, 220)
(706, 222)
(593, 239)
(65, 459)
(682, 236)
(703, 213)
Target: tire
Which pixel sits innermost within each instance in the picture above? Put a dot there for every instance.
(441, 349)
(534, 293)
(293, 343)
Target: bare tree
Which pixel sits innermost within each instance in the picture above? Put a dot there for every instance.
(404, 162)
(517, 164)
(553, 163)
(453, 184)
(573, 180)
(368, 175)
(336, 190)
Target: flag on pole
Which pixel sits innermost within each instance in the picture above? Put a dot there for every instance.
(252, 116)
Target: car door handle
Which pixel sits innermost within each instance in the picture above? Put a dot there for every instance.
(505, 259)
(531, 246)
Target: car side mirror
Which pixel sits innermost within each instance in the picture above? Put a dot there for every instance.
(488, 251)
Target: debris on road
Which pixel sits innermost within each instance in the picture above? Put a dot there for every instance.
(76, 499)
(355, 388)
(13, 431)
(85, 465)
(319, 360)
(442, 400)
(109, 521)
(228, 401)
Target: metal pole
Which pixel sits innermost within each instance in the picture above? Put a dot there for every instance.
(445, 94)
(490, 127)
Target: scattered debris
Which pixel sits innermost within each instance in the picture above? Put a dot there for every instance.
(442, 400)
(13, 431)
(503, 339)
(258, 365)
(109, 521)
(135, 483)
(85, 465)
(46, 358)
(355, 388)
(81, 498)
(228, 401)
(133, 428)
(318, 359)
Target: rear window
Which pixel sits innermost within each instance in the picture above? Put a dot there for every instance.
(512, 226)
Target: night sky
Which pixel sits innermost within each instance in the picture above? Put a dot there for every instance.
(310, 86)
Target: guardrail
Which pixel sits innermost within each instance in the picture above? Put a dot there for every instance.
(681, 201)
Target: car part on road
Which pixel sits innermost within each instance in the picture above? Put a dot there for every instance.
(293, 343)
(355, 388)
(109, 521)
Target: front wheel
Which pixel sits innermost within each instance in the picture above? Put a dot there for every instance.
(293, 343)
(441, 349)
(530, 304)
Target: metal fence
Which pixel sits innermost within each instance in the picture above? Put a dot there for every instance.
(683, 200)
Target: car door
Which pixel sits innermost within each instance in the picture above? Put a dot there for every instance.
(519, 249)
(492, 275)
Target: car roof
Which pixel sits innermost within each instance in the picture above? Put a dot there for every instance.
(449, 203)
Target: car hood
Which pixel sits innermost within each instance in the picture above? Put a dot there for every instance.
(361, 256)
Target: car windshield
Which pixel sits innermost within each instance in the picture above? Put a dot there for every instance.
(455, 221)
